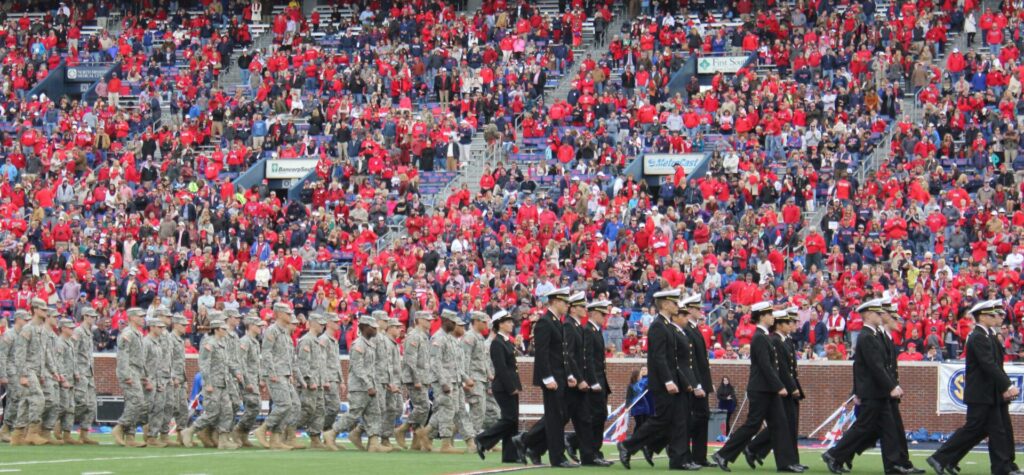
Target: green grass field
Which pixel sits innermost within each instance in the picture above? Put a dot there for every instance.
(107, 459)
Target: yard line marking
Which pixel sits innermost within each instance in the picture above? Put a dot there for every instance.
(10, 470)
(107, 459)
(501, 470)
(97, 473)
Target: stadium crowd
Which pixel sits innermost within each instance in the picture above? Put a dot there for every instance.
(111, 205)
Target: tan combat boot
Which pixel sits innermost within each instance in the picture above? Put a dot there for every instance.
(276, 443)
(185, 435)
(330, 440)
(400, 434)
(426, 443)
(5, 433)
(224, 442)
(166, 440)
(206, 438)
(68, 440)
(242, 438)
(448, 447)
(375, 447)
(356, 437)
(136, 443)
(315, 443)
(50, 439)
(84, 439)
(33, 436)
(471, 445)
(386, 442)
(261, 436)
(154, 442)
(290, 439)
(118, 433)
(18, 437)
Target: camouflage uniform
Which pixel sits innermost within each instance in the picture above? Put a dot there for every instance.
(310, 376)
(65, 359)
(85, 383)
(276, 360)
(249, 365)
(158, 374)
(131, 357)
(362, 376)
(389, 360)
(332, 377)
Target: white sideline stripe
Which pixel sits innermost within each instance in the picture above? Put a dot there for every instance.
(11, 470)
(107, 459)
(97, 473)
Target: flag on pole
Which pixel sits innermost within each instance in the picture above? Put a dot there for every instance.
(843, 422)
(616, 432)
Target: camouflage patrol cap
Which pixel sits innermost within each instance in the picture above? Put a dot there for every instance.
(22, 314)
(332, 317)
(155, 322)
(394, 322)
(162, 311)
(38, 303)
(89, 312)
(479, 317)
(283, 307)
(52, 311)
(368, 321)
(231, 313)
(215, 324)
(451, 316)
(67, 323)
(425, 315)
(215, 315)
(317, 318)
(179, 319)
(380, 315)
(136, 312)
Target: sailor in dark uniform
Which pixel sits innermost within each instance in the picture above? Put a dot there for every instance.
(785, 324)
(506, 388)
(988, 392)
(765, 391)
(595, 400)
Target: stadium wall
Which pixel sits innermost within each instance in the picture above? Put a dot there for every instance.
(826, 383)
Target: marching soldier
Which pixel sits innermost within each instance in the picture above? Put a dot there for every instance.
(988, 392)
(700, 411)
(389, 377)
(416, 376)
(157, 376)
(445, 382)
(595, 399)
(462, 421)
(765, 392)
(131, 357)
(310, 375)
(233, 320)
(475, 348)
(6, 338)
(215, 368)
(276, 359)
(84, 378)
(249, 366)
(362, 390)
(12, 375)
(65, 358)
(333, 378)
(506, 388)
(177, 398)
(53, 382)
(579, 367)
(901, 464)
(873, 385)
(550, 373)
(169, 345)
(30, 364)
(785, 323)
(668, 384)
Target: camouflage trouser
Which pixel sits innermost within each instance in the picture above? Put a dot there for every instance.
(477, 400)
(420, 405)
(491, 415)
(360, 405)
(235, 395)
(443, 418)
(51, 408)
(251, 402)
(285, 403)
(11, 411)
(85, 403)
(391, 410)
(66, 408)
(312, 414)
(176, 407)
(30, 403)
(216, 411)
(157, 407)
(332, 405)
(134, 405)
(463, 421)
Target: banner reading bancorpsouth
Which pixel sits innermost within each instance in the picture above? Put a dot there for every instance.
(290, 168)
(951, 388)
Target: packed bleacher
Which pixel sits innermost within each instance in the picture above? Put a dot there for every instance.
(866, 148)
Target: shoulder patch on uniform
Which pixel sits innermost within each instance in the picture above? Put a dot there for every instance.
(208, 347)
(242, 345)
(437, 343)
(357, 349)
(414, 343)
(127, 336)
(305, 348)
(26, 334)
(269, 337)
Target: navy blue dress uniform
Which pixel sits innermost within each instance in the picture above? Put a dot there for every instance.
(765, 391)
(550, 367)
(873, 384)
(786, 349)
(580, 367)
(700, 411)
(595, 399)
(506, 388)
(987, 393)
(669, 381)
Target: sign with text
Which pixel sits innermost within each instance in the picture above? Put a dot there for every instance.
(951, 388)
(90, 73)
(720, 64)
(289, 168)
(665, 163)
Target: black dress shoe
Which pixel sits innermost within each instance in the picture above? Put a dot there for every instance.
(750, 457)
(720, 461)
(914, 470)
(935, 465)
(848, 465)
(806, 468)
(792, 469)
(648, 455)
(479, 448)
(571, 451)
(956, 469)
(705, 463)
(599, 462)
(623, 455)
(831, 464)
(533, 457)
(517, 440)
(689, 467)
(567, 464)
(896, 471)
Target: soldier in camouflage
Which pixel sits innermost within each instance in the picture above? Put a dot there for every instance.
(445, 382)
(463, 422)
(84, 378)
(30, 364)
(310, 378)
(233, 320)
(131, 357)
(157, 377)
(53, 381)
(178, 397)
(249, 365)
(333, 378)
(64, 355)
(9, 375)
(389, 363)
(276, 360)
(214, 365)
(477, 351)
(416, 376)
(362, 391)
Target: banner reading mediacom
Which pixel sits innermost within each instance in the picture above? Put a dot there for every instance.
(951, 388)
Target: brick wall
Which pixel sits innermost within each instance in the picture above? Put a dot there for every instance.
(827, 384)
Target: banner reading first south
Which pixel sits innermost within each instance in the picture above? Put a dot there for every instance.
(951, 388)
